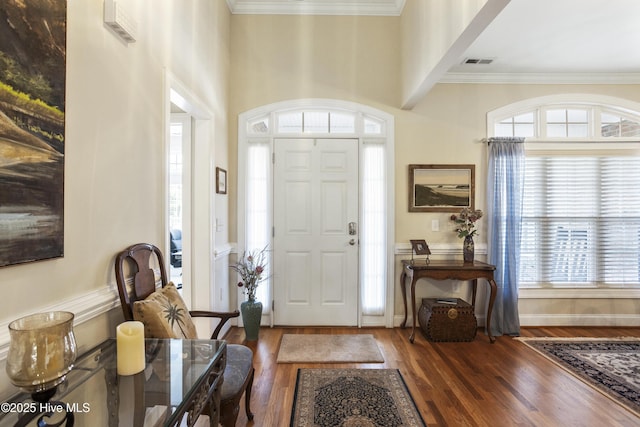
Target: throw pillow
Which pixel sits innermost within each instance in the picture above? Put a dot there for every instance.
(165, 315)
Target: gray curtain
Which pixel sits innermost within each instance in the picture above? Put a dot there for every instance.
(505, 183)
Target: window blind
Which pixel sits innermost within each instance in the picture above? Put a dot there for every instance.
(258, 209)
(373, 236)
(581, 221)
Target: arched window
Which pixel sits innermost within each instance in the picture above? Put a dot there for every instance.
(581, 213)
(568, 117)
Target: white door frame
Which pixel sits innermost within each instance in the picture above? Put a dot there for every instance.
(197, 247)
(246, 133)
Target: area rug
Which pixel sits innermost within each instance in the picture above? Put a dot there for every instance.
(611, 366)
(319, 348)
(353, 397)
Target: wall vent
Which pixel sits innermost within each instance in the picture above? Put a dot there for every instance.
(478, 61)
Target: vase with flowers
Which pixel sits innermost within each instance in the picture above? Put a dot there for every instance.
(465, 223)
(251, 267)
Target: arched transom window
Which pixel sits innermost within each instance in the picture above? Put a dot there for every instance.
(562, 121)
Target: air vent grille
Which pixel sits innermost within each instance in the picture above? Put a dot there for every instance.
(478, 61)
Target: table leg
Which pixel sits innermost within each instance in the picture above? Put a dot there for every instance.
(474, 287)
(492, 298)
(140, 403)
(413, 309)
(403, 288)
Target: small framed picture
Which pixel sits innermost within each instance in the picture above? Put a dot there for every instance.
(420, 247)
(221, 181)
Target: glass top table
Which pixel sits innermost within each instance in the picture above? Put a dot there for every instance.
(181, 377)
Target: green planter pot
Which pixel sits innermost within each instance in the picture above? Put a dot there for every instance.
(251, 316)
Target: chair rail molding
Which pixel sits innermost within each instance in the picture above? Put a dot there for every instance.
(444, 249)
(85, 307)
(223, 251)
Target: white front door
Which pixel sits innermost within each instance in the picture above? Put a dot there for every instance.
(316, 232)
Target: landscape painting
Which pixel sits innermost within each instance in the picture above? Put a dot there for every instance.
(441, 188)
(32, 137)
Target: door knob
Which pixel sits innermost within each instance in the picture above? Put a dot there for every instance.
(352, 242)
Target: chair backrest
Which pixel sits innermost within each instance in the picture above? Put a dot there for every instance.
(141, 259)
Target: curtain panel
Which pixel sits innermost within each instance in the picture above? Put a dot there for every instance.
(505, 184)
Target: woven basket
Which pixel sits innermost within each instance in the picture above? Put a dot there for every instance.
(447, 322)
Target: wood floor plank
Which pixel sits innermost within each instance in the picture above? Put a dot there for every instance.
(453, 384)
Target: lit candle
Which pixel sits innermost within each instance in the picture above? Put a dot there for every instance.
(130, 348)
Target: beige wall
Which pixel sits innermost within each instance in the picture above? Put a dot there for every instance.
(114, 172)
(446, 127)
(276, 58)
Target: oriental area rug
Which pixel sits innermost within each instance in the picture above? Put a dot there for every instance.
(321, 348)
(353, 398)
(611, 366)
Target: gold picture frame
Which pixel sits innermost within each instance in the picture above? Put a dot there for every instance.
(441, 188)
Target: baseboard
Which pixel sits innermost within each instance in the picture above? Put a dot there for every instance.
(532, 320)
(610, 320)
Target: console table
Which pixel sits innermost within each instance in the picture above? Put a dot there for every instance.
(443, 270)
(181, 377)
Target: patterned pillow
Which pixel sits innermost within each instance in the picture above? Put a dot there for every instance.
(165, 315)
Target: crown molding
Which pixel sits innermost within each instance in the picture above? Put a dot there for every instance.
(316, 7)
(543, 78)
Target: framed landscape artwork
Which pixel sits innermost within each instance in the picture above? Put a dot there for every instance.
(32, 134)
(441, 188)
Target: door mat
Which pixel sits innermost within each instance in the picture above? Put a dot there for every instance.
(353, 397)
(611, 365)
(320, 348)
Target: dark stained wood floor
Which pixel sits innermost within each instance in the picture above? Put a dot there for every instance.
(453, 384)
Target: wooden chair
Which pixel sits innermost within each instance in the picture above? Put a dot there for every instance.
(141, 258)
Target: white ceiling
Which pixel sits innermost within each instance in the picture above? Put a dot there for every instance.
(586, 39)
(562, 41)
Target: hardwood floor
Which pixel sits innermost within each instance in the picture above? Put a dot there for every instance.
(453, 384)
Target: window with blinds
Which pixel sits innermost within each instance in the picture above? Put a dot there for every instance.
(581, 221)
(581, 212)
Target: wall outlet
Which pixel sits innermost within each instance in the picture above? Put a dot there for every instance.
(435, 225)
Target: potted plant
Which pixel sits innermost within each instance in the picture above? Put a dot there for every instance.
(251, 267)
(465, 223)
